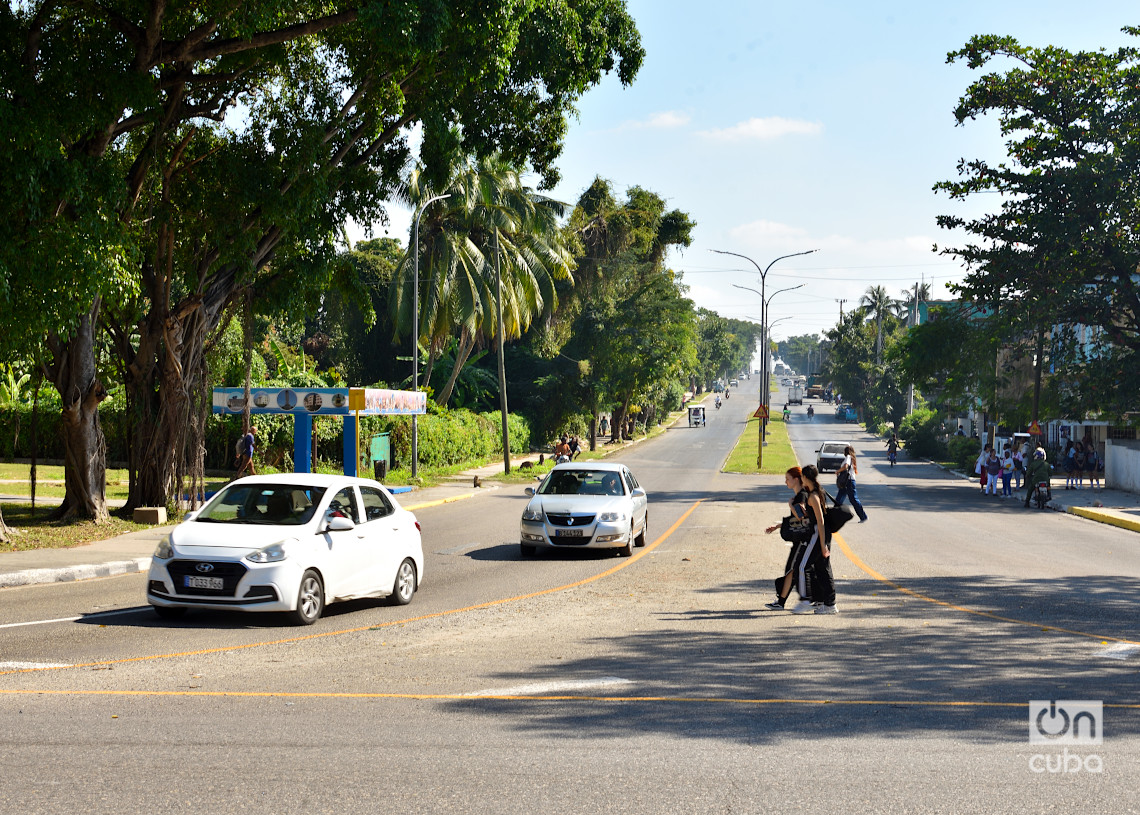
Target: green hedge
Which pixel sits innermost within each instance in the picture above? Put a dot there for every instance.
(446, 437)
(964, 451)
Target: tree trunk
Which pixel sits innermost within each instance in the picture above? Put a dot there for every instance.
(462, 352)
(72, 372)
(617, 422)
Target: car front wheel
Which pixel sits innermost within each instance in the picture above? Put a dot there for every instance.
(310, 599)
(404, 586)
(640, 540)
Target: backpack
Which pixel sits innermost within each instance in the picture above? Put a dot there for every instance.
(239, 446)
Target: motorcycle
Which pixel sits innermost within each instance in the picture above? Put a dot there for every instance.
(1041, 494)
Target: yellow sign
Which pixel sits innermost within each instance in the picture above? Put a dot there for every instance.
(761, 412)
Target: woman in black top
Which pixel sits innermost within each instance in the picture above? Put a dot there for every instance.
(816, 561)
(798, 506)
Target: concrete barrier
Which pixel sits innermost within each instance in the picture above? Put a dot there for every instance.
(1122, 465)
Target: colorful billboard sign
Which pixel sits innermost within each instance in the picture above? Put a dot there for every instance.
(320, 401)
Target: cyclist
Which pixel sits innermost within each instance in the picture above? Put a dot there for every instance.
(892, 448)
(787, 414)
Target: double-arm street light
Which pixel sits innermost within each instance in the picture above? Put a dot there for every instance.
(764, 328)
(416, 326)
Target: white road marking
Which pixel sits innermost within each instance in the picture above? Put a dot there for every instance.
(25, 666)
(73, 619)
(543, 688)
(1121, 650)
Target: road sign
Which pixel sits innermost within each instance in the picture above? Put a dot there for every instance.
(1034, 429)
(761, 412)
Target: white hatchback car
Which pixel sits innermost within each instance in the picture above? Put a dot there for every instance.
(586, 505)
(291, 542)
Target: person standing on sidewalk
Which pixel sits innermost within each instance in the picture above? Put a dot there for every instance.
(1018, 465)
(980, 466)
(845, 482)
(817, 555)
(993, 472)
(1006, 472)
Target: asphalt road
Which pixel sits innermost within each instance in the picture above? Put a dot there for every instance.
(580, 682)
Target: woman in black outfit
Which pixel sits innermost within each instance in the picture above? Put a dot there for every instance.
(798, 506)
(817, 556)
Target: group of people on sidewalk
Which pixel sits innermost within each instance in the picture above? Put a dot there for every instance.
(1080, 459)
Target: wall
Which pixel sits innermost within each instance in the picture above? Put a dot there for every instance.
(1122, 465)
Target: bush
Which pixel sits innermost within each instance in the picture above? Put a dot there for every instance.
(963, 451)
(919, 433)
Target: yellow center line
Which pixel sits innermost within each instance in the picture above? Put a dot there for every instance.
(919, 596)
(489, 604)
(464, 697)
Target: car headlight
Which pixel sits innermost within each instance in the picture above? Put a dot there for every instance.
(164, 551)
(273, 553)
(610, 517)
(532, 514)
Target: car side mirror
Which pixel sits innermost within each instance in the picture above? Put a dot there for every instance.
(638, 492)
(529, 491)
(339, 523)
(189, 516)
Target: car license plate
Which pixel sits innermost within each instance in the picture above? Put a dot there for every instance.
(195, 582)
(568, 533)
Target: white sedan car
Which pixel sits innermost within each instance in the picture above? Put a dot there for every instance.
(292, 542)
(586, 505)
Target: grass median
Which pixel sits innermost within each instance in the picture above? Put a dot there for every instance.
(778, 454)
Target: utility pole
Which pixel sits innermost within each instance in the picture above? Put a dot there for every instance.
(913, 321)
(841, 302)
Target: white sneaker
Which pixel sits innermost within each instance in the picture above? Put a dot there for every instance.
(803, 607)
(826, 609)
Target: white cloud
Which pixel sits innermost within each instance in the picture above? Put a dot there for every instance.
(771, 127)
(665, 120)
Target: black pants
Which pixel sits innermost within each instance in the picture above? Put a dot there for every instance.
(814, 576)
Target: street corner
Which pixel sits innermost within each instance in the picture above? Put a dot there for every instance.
(1106, 515)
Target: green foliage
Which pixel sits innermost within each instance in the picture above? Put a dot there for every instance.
(1062, 249)
(963, 451)
(919, 433)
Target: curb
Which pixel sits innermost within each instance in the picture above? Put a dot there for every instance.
(67, 574)
(1104, 518)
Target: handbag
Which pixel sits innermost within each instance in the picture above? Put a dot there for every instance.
(835, 517)
(841, 479)
(795, 530)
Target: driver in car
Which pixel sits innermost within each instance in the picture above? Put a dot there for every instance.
(611, 485)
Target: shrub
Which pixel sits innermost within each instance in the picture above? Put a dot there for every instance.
(963, 451)
(919, 432)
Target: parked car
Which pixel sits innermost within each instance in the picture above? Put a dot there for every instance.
(586, 505)
(829, 456)
(850, 413)
(292, 542)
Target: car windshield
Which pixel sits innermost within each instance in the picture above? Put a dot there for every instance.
(582, 482)
(833, 449)
(271, 504)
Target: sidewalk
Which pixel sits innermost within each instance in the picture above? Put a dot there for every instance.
(1113, 507)
(131, 552)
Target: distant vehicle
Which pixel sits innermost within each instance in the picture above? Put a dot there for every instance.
(586, 506)
(814, 392)
(847, 413)
(697, 416)
(734, 382)
(755, 370)
(795, 395)
(785, 381)
(830, 456)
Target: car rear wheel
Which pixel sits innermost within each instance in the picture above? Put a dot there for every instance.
(404, 587)
(310, 599)
(169, 613)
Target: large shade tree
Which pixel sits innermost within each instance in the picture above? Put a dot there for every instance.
(166, 158)
(1062, 249)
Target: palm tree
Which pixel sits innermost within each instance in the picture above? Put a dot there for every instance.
(877, 302)
(488, 204)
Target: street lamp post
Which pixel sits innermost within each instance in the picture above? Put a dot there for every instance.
(416, 326)
(764, 332)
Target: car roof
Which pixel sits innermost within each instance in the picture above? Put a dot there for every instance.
(833, 441)
(612, 466)
(325, 480)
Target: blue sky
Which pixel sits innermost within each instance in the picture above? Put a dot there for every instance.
(819, 125)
